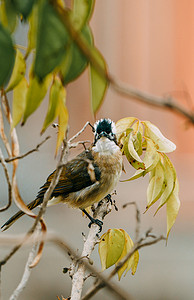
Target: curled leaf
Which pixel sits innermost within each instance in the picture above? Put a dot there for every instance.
(81, 13)
(122, 126)
(162, 143)
(169, 181)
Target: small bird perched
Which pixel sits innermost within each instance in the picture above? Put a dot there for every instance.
(87, 178)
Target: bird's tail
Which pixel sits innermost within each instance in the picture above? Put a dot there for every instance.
(20, 213)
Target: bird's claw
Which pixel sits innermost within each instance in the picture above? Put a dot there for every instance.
(97, 222)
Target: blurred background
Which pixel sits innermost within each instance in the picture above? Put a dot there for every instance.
(149, 45)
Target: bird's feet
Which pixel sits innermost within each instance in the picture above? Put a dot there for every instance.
(97, 222)
(93, 221)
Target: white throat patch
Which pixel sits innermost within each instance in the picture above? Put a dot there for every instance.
(105, 146)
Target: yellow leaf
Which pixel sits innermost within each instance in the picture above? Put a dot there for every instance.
(132, 149)
(35, 94)
(62, 116)
(111, 247)
(162, 143)
(122, 125)
(156, 185)
(169, 180)
(128, 150)
(53, 110)
(18, 71)
(172, 207)
(19, 101)
(132, 261)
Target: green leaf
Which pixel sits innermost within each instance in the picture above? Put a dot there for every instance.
(98, 83)
(7, 56)
(33, 27)
(75, 62)
(8, 15)
(23, 7)
(52, 40)
(82, 11)
(18, 71)
(35, 94)
(19, 101)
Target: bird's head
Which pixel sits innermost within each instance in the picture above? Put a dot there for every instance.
(105, 128)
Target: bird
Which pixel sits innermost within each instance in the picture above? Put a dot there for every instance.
(86, 179)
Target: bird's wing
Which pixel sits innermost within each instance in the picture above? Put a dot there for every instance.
(77, 174)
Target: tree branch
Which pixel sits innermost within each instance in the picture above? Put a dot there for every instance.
(121, 88)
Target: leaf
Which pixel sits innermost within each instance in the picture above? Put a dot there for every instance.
(53, 110)
(172, 207)
(19, 101)
(122, 125)
(128, 149)
(151, 156)
(52, 40)
(132, 262)
(170, 179)
(98, 83)
(62, 117)
(7, 56)
(23, 7)
(75, 62)
(82, 11)
(156, 185)
(132, 149)
(162, 143)
(111, 247)
(33, 27)
(8, 15)
(35, 94)
(18, 71)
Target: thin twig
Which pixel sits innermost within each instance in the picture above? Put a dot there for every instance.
(10, 159)
(78, 133)
(8, 183)
(138, 219)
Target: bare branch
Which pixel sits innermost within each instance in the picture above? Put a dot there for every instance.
(10, 159)
(121, 88)
(26, 274)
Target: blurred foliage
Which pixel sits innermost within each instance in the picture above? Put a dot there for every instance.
(57, 60)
